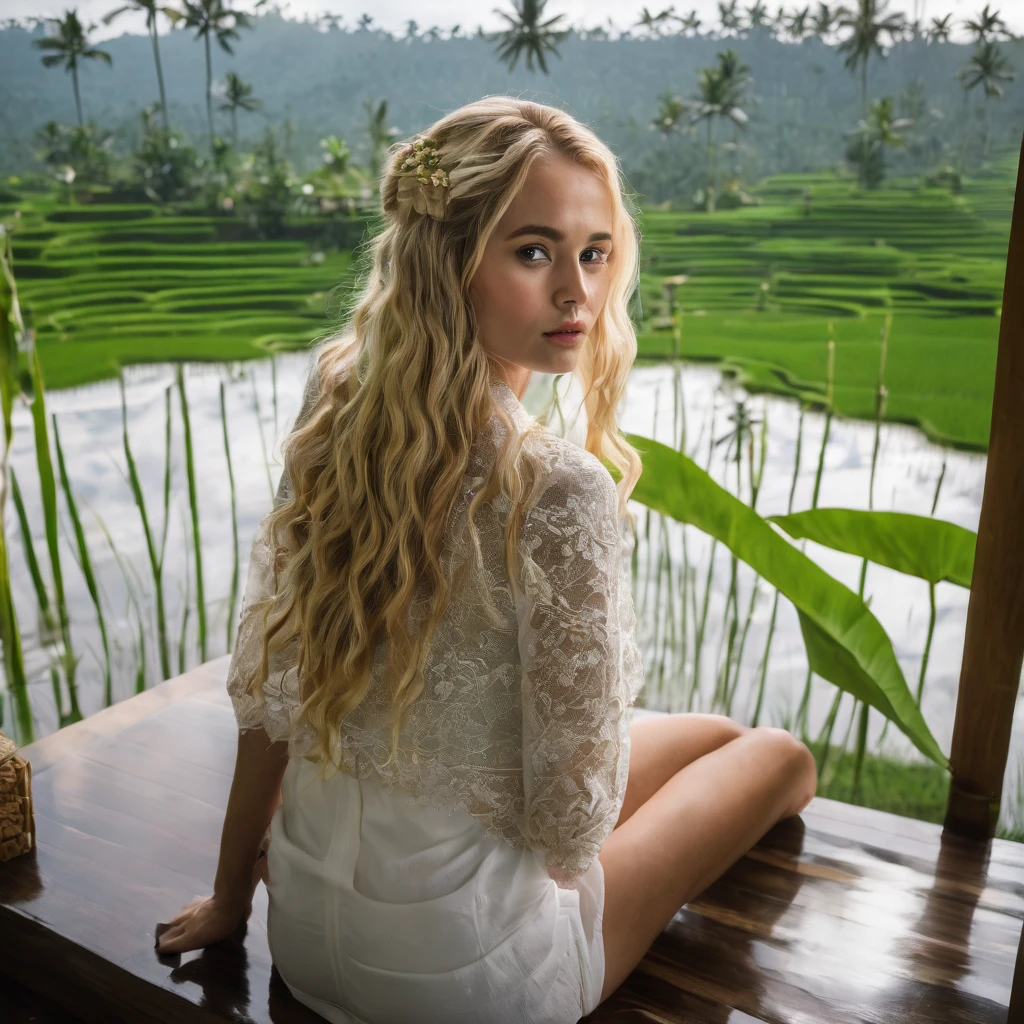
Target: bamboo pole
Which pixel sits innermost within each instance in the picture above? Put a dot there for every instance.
(994, 642)
(1015, 1011)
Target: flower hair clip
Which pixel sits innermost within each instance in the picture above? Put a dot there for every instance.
(423, 181)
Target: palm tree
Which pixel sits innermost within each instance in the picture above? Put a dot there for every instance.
(988, 67)
(238, 96)
(671, 111)
(881, 128)
(757, 17)
(690, 24)
(866, 26)
(776, 23)
(987, 23)
(67, 48)
(938, 31)
(654, 23)
(722, 90)
(151, 9)
(824, 20)
(797, 23)
(380, 136)
(730, 18)
(211, 17)
(528, 34)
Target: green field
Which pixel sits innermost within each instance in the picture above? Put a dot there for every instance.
(933, 260)
(106, 285)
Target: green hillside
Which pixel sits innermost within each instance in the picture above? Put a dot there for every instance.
(933, 260)
(107, 285)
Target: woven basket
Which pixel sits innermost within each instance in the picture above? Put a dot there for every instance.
(17, 823)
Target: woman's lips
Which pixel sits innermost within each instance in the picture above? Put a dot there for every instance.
(563, 337)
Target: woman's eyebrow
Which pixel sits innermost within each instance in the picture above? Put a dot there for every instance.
(554, 234)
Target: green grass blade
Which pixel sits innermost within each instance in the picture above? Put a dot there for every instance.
(86, 563)
(167, 472)
(193, 501)
(233, 594)
(154, 562)
(42, 598)
(133, 597)
(48, 495)
(14, 664)
(185, 607)
(263, 440)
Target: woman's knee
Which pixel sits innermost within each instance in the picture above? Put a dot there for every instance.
(796, 762)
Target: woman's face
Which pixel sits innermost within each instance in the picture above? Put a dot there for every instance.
(546, 262)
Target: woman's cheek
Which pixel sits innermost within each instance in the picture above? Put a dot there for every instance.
(521, 294)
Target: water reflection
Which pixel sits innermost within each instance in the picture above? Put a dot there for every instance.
(90, 423)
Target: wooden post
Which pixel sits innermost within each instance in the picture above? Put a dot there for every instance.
(994, 642)
(1015, 1011)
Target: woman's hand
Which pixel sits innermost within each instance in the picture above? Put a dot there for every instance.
(210, 919)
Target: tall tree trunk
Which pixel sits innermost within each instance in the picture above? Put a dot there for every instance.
(160, 77)
(864, 89)
(711, 169)
(234, 127)
(78, 99)
(986, 128)
(967, 134)
(209, 88)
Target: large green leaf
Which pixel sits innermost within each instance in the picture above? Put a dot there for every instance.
(930, 549)
(846, 644)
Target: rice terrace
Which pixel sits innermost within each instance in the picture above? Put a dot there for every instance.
(120, 284)
(824, 199)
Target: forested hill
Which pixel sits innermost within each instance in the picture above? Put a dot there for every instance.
(803, 98)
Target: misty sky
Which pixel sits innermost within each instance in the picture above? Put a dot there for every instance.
(393, 14)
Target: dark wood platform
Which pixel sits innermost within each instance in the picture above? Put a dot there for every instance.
(843, 916)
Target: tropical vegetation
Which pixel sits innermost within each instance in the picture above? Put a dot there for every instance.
(870, 288)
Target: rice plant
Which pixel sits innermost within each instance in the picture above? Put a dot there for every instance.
(155, 559)
(11, 328)
(127, 571)
(233, 592)
(805, 700)
(85, 562)
(193, 502)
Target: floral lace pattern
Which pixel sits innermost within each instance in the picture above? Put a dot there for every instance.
(523, 723)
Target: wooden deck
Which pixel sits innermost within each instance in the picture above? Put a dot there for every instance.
(843, 916)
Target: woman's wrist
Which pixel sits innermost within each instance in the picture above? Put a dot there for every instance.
(235, 896)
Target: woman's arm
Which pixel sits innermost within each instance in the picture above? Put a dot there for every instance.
(255, 795)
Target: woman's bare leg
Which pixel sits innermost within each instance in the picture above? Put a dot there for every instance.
(661, 745)
(700, 822)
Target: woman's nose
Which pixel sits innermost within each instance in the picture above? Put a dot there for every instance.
(571, 289)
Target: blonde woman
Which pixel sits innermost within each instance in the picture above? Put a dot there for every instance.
(437, 651)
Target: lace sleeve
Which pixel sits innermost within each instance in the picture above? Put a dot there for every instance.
(280, 688)
(581, 669)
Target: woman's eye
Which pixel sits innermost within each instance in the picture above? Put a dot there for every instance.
(530, 248)
(599, 254)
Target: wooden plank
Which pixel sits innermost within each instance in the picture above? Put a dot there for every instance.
(23, 1006)
(994, 639)
(108, 721)
(842, 916)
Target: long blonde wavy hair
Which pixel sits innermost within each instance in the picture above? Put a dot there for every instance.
(377, 464)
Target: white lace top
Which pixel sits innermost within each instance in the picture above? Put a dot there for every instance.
(524, 725)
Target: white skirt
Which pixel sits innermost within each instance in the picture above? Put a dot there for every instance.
(384, 912)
